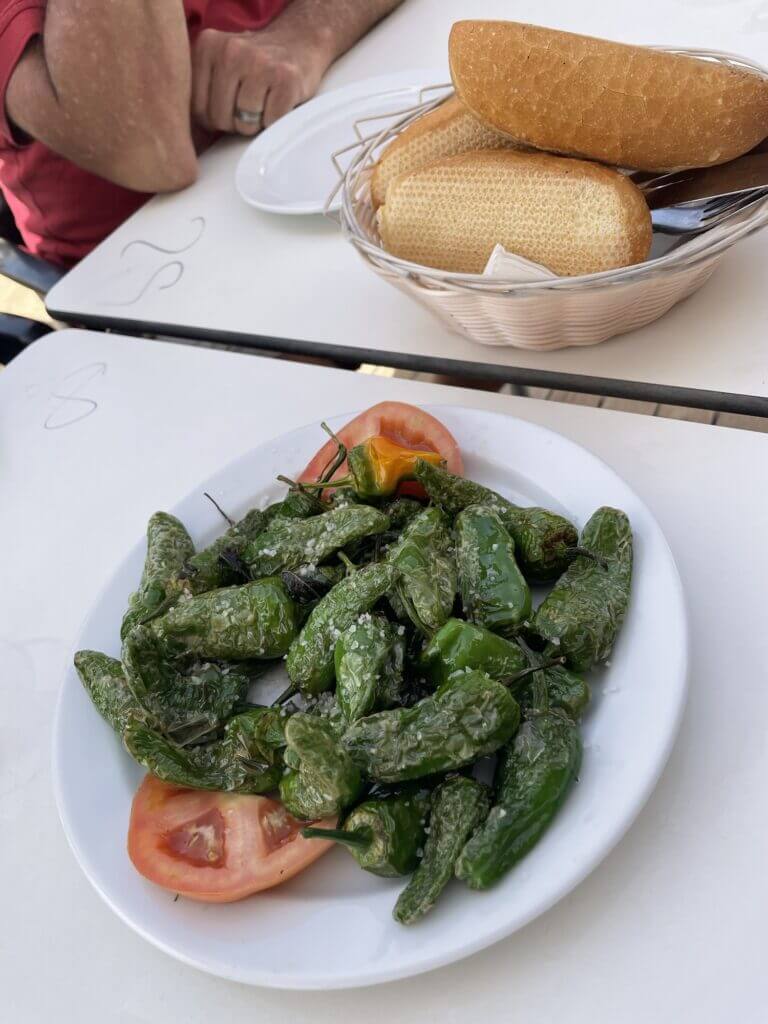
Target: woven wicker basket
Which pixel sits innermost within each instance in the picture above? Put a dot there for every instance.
(539, 314)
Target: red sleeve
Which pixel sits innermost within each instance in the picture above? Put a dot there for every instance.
(20, 21)
(241, 15)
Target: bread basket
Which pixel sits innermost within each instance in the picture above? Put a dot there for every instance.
(549, 314)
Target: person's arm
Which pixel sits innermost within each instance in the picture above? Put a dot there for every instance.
(108, 87)
(278, 67)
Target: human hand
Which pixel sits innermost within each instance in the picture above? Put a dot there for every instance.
(256, 72)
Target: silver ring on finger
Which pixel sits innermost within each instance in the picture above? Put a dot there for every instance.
(253, 117)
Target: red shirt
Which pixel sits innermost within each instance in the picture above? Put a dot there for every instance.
(61, 210)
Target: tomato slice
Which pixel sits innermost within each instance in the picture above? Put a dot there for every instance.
(408, 425)
(216, 847)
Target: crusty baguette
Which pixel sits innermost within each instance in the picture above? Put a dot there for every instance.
(444, 131)
(572, 216)
(624, 105)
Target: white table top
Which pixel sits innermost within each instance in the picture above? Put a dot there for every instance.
(100, 431)
(298, 284)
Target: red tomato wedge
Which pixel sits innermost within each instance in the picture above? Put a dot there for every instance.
(216, 847)
(407, 425)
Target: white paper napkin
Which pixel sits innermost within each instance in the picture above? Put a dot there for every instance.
(515, 268)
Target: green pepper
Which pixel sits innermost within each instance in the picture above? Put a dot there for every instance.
(368, 660)
(342, 497)
(543, 539)
(321, 779)
(469, 716)
(187, 706)
(206, 570)
(297, 504)
(426, 586)
(386, 837)
(309, 583)
(288, 543)
(327, 707)
(459, 806)
(247, 760)
(458, 646)
(567, 691)
(533, 777)
(168, 548)
(401, 511)
(581, 616)
(494, 592)
(258, 620)
(104, 679)
(310, 661)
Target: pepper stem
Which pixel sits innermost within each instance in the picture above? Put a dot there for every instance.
(540, 693)
(337, 835)
(288, 692)
(579, 552)
(219, 509)
(347, 562)
(524, 673)
(338, 458)
(231, 559)
(320, 485)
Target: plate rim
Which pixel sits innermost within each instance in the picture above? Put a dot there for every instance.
(322, 101)
(620, 825)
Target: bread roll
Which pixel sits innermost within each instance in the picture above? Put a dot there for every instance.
(572, 216)
(623, 105)
(444, 131)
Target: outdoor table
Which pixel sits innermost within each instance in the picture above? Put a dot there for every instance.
(99, 431)
(293, 284)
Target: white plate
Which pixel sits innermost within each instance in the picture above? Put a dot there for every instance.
(332, 927)
(288, 167)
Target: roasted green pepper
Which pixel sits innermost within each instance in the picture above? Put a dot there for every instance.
(459, 806)
(567, 691)
(310, 661)
(368, 659)
(543, 539)
(206, 570)
(247, 760)
(169, 546)
(309, 583)
(258, 620)
(321, 779)
(458, 646)
(534, 774)
(386, 837)
(188, 706)
(533, 777)
(426, 585)
(327, 707)
(289, 543)
(104, 679)
(494, 592)
(581, 616)
(401, 511)
(469, 716)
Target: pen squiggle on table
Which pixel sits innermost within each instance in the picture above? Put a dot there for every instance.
(80, 406)
(145, 288)
(200, 221)
(178, 265)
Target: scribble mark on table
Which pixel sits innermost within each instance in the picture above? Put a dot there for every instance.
(178, 267)
(158, 274)
(71, 404)
(200, 228)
